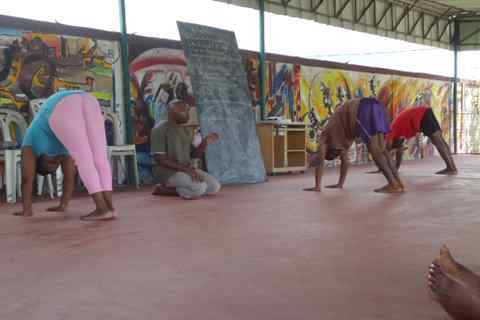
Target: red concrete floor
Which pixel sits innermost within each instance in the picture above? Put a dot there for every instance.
(267, 251)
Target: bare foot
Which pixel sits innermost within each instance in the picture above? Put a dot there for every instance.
(99, 215)
(160, 190)
(458, 300)
(27, 214)
(316, 189)
(451, 267)
(447, 171)
(58, 208)
(390, 189)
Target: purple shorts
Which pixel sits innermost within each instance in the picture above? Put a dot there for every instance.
(371, 119)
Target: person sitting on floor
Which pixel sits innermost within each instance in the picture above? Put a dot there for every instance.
(365, 118)
(412, 121)
(172, 151)
(454, 287)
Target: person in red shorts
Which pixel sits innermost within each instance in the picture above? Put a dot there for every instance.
(412, 121)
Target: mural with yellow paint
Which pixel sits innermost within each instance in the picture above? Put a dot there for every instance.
(35, 65)
(311, 94)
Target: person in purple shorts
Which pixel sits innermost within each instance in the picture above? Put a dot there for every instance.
(363, 118)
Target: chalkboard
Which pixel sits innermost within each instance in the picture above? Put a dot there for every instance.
(219, 83)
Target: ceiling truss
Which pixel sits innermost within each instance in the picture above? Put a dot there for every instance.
(426, 22)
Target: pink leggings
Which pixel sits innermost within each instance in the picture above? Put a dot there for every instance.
(78, 123)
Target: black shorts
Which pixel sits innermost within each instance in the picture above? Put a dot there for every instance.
(429, 124)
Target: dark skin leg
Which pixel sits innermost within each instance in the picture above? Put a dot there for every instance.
(382, 159)
(451, 267)
(393, 168)
(445, 153)
(458, 300)
(101, 211)
(107, 195)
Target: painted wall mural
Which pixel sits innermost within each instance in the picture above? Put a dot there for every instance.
(158, 76)
(311, 94)
(36, 65)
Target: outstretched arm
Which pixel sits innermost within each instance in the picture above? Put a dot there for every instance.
(398, 157)
(29, 169)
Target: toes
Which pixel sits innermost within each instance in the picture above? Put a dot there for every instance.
(444, 250)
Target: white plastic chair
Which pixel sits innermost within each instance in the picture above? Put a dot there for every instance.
(118, 150)
(11, 157)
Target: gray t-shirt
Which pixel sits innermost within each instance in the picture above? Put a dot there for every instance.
(175, 142)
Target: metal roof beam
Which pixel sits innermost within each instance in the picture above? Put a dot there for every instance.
(435, 21)
(404, 14)
(442, 33)
(342, 8)
(314, 7)
(360, 16)
(469, 36)
(384, 14)
(415, 23)
(419, 21)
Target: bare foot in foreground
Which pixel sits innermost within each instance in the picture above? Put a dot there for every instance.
(460, 301)
(450, 266)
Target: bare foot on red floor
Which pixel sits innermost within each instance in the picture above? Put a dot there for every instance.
(458, 300)
(447, 171)
(99, 215)
(390, 189)
(160, 190)
(449, 265)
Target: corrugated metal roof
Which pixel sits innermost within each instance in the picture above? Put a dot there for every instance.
(429, 22)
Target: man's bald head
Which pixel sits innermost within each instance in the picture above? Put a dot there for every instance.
(178, 111)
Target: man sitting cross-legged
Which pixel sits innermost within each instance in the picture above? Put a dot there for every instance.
(172, 152)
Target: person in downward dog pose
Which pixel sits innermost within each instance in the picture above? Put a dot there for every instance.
(365, 118)
(69, 131)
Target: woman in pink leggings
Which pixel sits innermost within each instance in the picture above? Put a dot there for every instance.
(69, 131)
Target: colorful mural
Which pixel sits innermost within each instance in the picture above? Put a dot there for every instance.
(35, 65)
(159, 76)
(311, 94)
